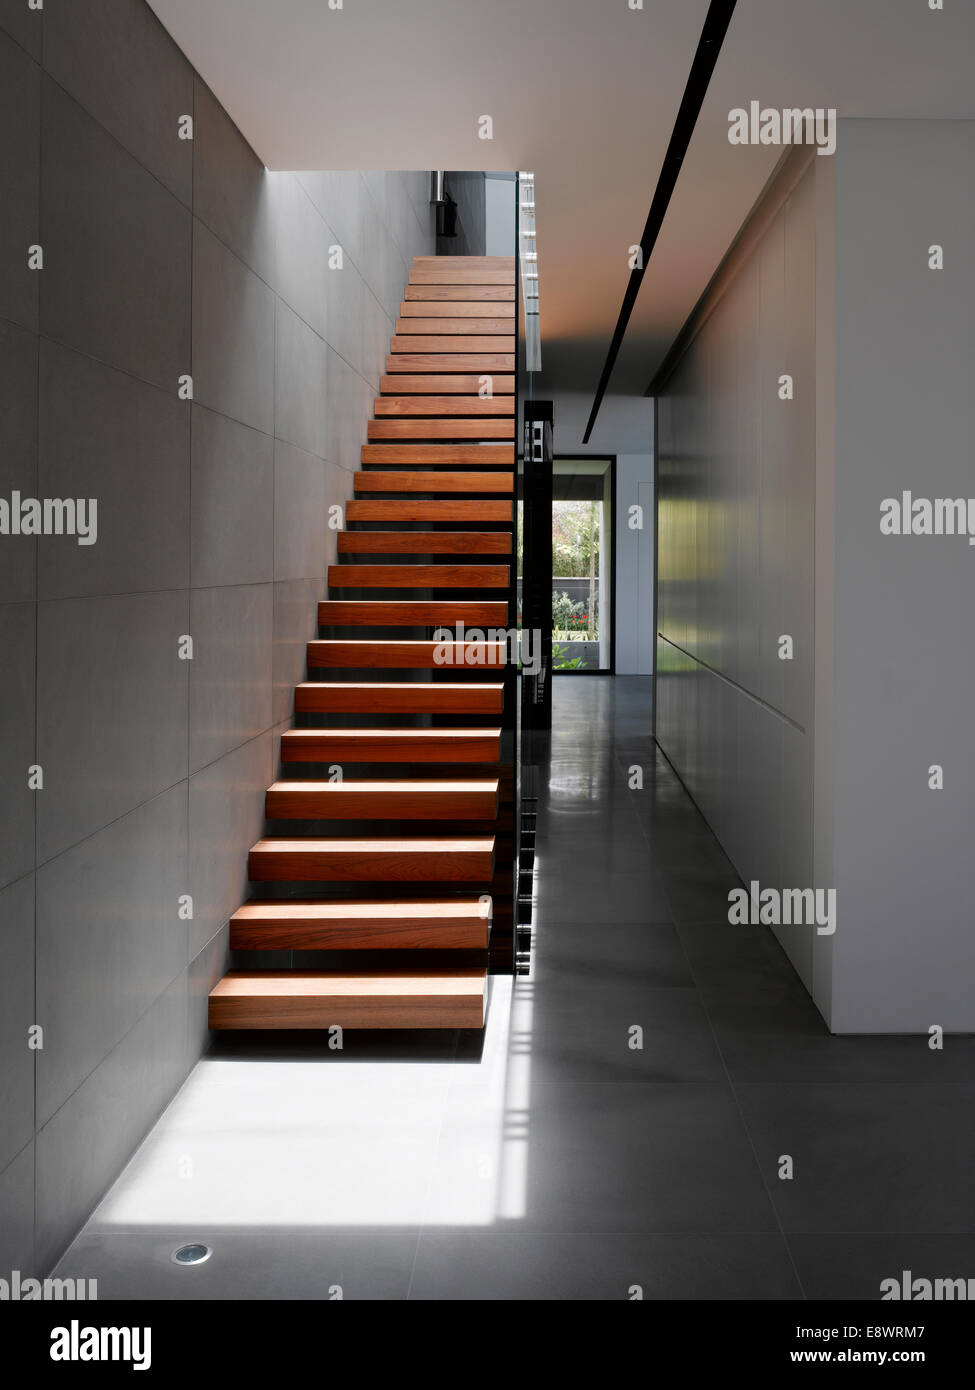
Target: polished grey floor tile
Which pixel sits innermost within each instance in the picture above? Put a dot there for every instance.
(509, 1264)
(596, 1023)
(607, 1156)
(859, 1267)
(248, 1263)
(868, 1158)
(610, 897)
(651, 953)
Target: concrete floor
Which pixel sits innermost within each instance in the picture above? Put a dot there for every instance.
(555, 1160)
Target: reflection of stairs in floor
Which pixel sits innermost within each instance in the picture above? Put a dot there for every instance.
(395, 792)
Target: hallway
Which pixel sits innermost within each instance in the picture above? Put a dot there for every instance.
(551, 1159)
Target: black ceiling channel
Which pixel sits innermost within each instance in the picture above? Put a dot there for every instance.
(708, 48)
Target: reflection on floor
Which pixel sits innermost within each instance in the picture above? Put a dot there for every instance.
(559, 1160)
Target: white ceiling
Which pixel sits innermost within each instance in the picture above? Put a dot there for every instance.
(585, 93)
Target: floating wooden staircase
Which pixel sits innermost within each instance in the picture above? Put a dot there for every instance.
(391, 831)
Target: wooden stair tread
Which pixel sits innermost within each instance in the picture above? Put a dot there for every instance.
(424, 542)
(444, 998)
(442, 576)
(469, 406)
(390, 697)
(446, 455)
(461, 275)
(478, 262)
(415, 655)
(463, 292)
(451, 343)
(433, 384)
(456, 361)
(470, 745)
(450, 325)
(412, 480)
(411, 612)
(457, 309)
(410, 799)
(409, 509)
(454, 428)
(381, 860)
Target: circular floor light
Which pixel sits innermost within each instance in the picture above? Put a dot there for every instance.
(191, 1255)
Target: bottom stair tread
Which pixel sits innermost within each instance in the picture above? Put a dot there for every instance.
(446, 998)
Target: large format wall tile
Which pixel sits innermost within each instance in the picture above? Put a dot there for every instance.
(17, 1214)
(17, 740)
(233, 335)
(82, 1148)
(300, 383)
(20, 154)
(110, 939)
(233, 502)
(349, 400)
(16, 1018)
(118, 62)
(230, 186)
(116, 250)
(299, 513)
(23, 24)
(226, 813)
(295, 624)
(230, 676)
(300, 261)
(343, 292)
(18, 452)
(106, 435)
(112, 709)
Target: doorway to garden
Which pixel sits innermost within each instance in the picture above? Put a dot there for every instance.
(583, 547)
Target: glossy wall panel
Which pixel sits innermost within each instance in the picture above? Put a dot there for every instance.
(736, 476)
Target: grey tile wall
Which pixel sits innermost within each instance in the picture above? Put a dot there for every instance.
(163, 258)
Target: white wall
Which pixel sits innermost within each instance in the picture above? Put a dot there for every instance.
(904, 953)
(634, 566)
(499, 214)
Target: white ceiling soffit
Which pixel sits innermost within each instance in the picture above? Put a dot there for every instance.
(583, 92)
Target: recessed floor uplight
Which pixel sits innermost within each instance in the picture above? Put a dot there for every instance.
(191, 1255)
